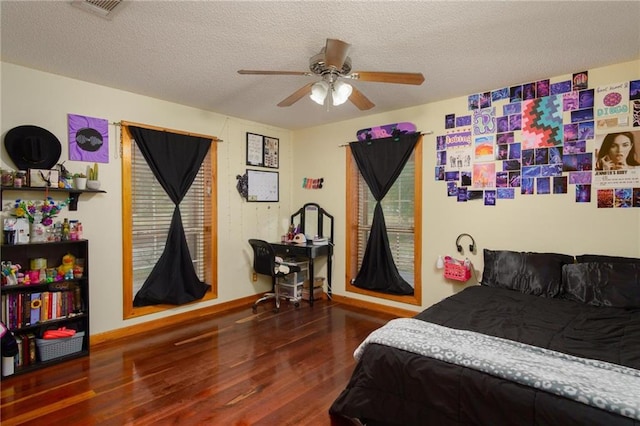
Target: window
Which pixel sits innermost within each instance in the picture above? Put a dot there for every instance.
(403, 218)
(147, 212)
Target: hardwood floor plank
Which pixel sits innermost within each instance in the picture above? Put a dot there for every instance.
(39, 411)
(231, 368)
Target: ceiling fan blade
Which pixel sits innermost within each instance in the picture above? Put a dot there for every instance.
(388, 77)
(335, 53)
(259, 72)
(359, 100)
(296, 96)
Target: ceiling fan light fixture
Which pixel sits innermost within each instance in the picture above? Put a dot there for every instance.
(341, 92)
(330, 65)
(319, 92)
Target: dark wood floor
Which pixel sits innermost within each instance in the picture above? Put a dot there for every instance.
(235, 368)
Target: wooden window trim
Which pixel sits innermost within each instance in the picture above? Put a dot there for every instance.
(128, 310)
(352, 231)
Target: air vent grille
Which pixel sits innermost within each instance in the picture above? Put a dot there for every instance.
(103, 8)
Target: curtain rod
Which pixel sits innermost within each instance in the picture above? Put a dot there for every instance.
(213, 138)
(430, 132)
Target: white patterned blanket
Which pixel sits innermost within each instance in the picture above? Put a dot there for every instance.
(600, 384)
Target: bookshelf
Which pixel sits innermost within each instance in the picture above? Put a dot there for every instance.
(28, 310)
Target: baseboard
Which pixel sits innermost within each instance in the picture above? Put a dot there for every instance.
(402, 313)
(197, 314)
(170, 321)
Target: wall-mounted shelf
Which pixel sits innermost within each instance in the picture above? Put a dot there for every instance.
(74, 194)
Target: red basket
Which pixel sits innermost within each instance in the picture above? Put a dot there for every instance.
(456, 270)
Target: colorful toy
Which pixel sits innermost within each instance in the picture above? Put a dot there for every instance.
(68, 260)
(10, 272)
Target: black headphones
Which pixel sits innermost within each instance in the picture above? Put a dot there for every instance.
(472, 246)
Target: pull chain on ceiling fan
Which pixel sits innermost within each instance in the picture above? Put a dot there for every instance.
(333, 64)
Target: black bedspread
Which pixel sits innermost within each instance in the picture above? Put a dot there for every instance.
(392, 386)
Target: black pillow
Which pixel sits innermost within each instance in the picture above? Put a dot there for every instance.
(603, 284)
(584, 258)
(539, 274)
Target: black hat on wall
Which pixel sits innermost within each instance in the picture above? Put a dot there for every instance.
(32, 147)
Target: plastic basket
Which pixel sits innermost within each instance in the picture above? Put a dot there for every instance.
(456, 270)
(55, 348)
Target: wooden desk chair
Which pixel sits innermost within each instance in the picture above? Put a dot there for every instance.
(265, 263)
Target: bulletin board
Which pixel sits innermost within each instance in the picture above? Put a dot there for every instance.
(263, 151)
(262, 186)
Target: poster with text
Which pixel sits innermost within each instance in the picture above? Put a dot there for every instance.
(617, 160)
(459, 151)
(611, 107)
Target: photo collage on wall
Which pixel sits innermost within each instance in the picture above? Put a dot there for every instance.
(544, 138)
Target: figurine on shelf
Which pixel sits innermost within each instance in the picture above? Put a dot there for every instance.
(38, 232)
(10, 272)
(68, 260)
(64, 177)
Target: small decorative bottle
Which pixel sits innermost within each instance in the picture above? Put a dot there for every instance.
(57, 231)
(73, 230)
(65, 230)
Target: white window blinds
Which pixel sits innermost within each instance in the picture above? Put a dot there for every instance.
(152, 210)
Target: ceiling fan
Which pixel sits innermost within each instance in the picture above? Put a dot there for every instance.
(332, 64)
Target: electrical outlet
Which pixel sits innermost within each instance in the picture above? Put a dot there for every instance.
(254, 277)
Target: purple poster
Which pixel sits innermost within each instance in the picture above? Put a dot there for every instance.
(484, 121)
(88, 139)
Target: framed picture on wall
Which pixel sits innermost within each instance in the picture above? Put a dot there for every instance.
(271, 152)
(255, 150)
(263, 151)
(262, 186)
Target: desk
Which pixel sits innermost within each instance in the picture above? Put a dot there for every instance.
(311, 252)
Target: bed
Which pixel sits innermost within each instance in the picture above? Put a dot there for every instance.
(582, 310)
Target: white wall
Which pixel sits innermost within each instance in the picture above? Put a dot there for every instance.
(536, 223)
(528, 223)
(42, 99)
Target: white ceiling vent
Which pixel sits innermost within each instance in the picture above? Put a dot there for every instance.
(102, 8)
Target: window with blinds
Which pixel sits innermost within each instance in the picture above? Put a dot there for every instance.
(402, 207)
(152, 210)
(398, 208)
(146, 217)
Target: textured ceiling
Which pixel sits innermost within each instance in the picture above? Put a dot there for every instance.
(188, 52)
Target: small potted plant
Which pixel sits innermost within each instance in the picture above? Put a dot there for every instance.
(80, 181)
(92, 174)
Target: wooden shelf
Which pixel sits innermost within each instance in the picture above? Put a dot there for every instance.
(17, 301)
(74, 194)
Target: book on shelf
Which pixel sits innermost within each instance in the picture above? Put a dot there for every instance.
(35, 308)
(29, 309)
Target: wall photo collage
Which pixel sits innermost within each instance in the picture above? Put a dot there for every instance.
(543, 138)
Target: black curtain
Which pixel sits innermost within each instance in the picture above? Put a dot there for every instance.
(175, 160)
(380, 162)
